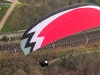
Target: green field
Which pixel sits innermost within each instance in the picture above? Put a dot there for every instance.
(3, 10)
(7, 27)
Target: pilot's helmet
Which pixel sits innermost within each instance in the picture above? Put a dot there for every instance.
(46, 62)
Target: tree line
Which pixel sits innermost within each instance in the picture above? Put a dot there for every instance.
(71, 62)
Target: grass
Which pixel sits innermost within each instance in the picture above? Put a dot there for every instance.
(3, 10)
(3, 43)
(99, 48)
(97, 52)
(7, 27)
(20, 0)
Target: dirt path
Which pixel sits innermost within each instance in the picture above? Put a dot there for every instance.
(7, 14)
(54, 60)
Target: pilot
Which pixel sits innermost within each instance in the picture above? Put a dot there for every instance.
(43, 64)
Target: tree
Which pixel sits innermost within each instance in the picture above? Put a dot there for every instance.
(56, 4)
(20, 72)
(5, 38)
(24, 16)
(92, 1)
(43, 10)
(6, 71)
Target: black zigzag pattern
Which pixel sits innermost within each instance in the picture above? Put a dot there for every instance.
(28, 44)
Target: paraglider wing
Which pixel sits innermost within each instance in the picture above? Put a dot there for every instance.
(59, 24)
